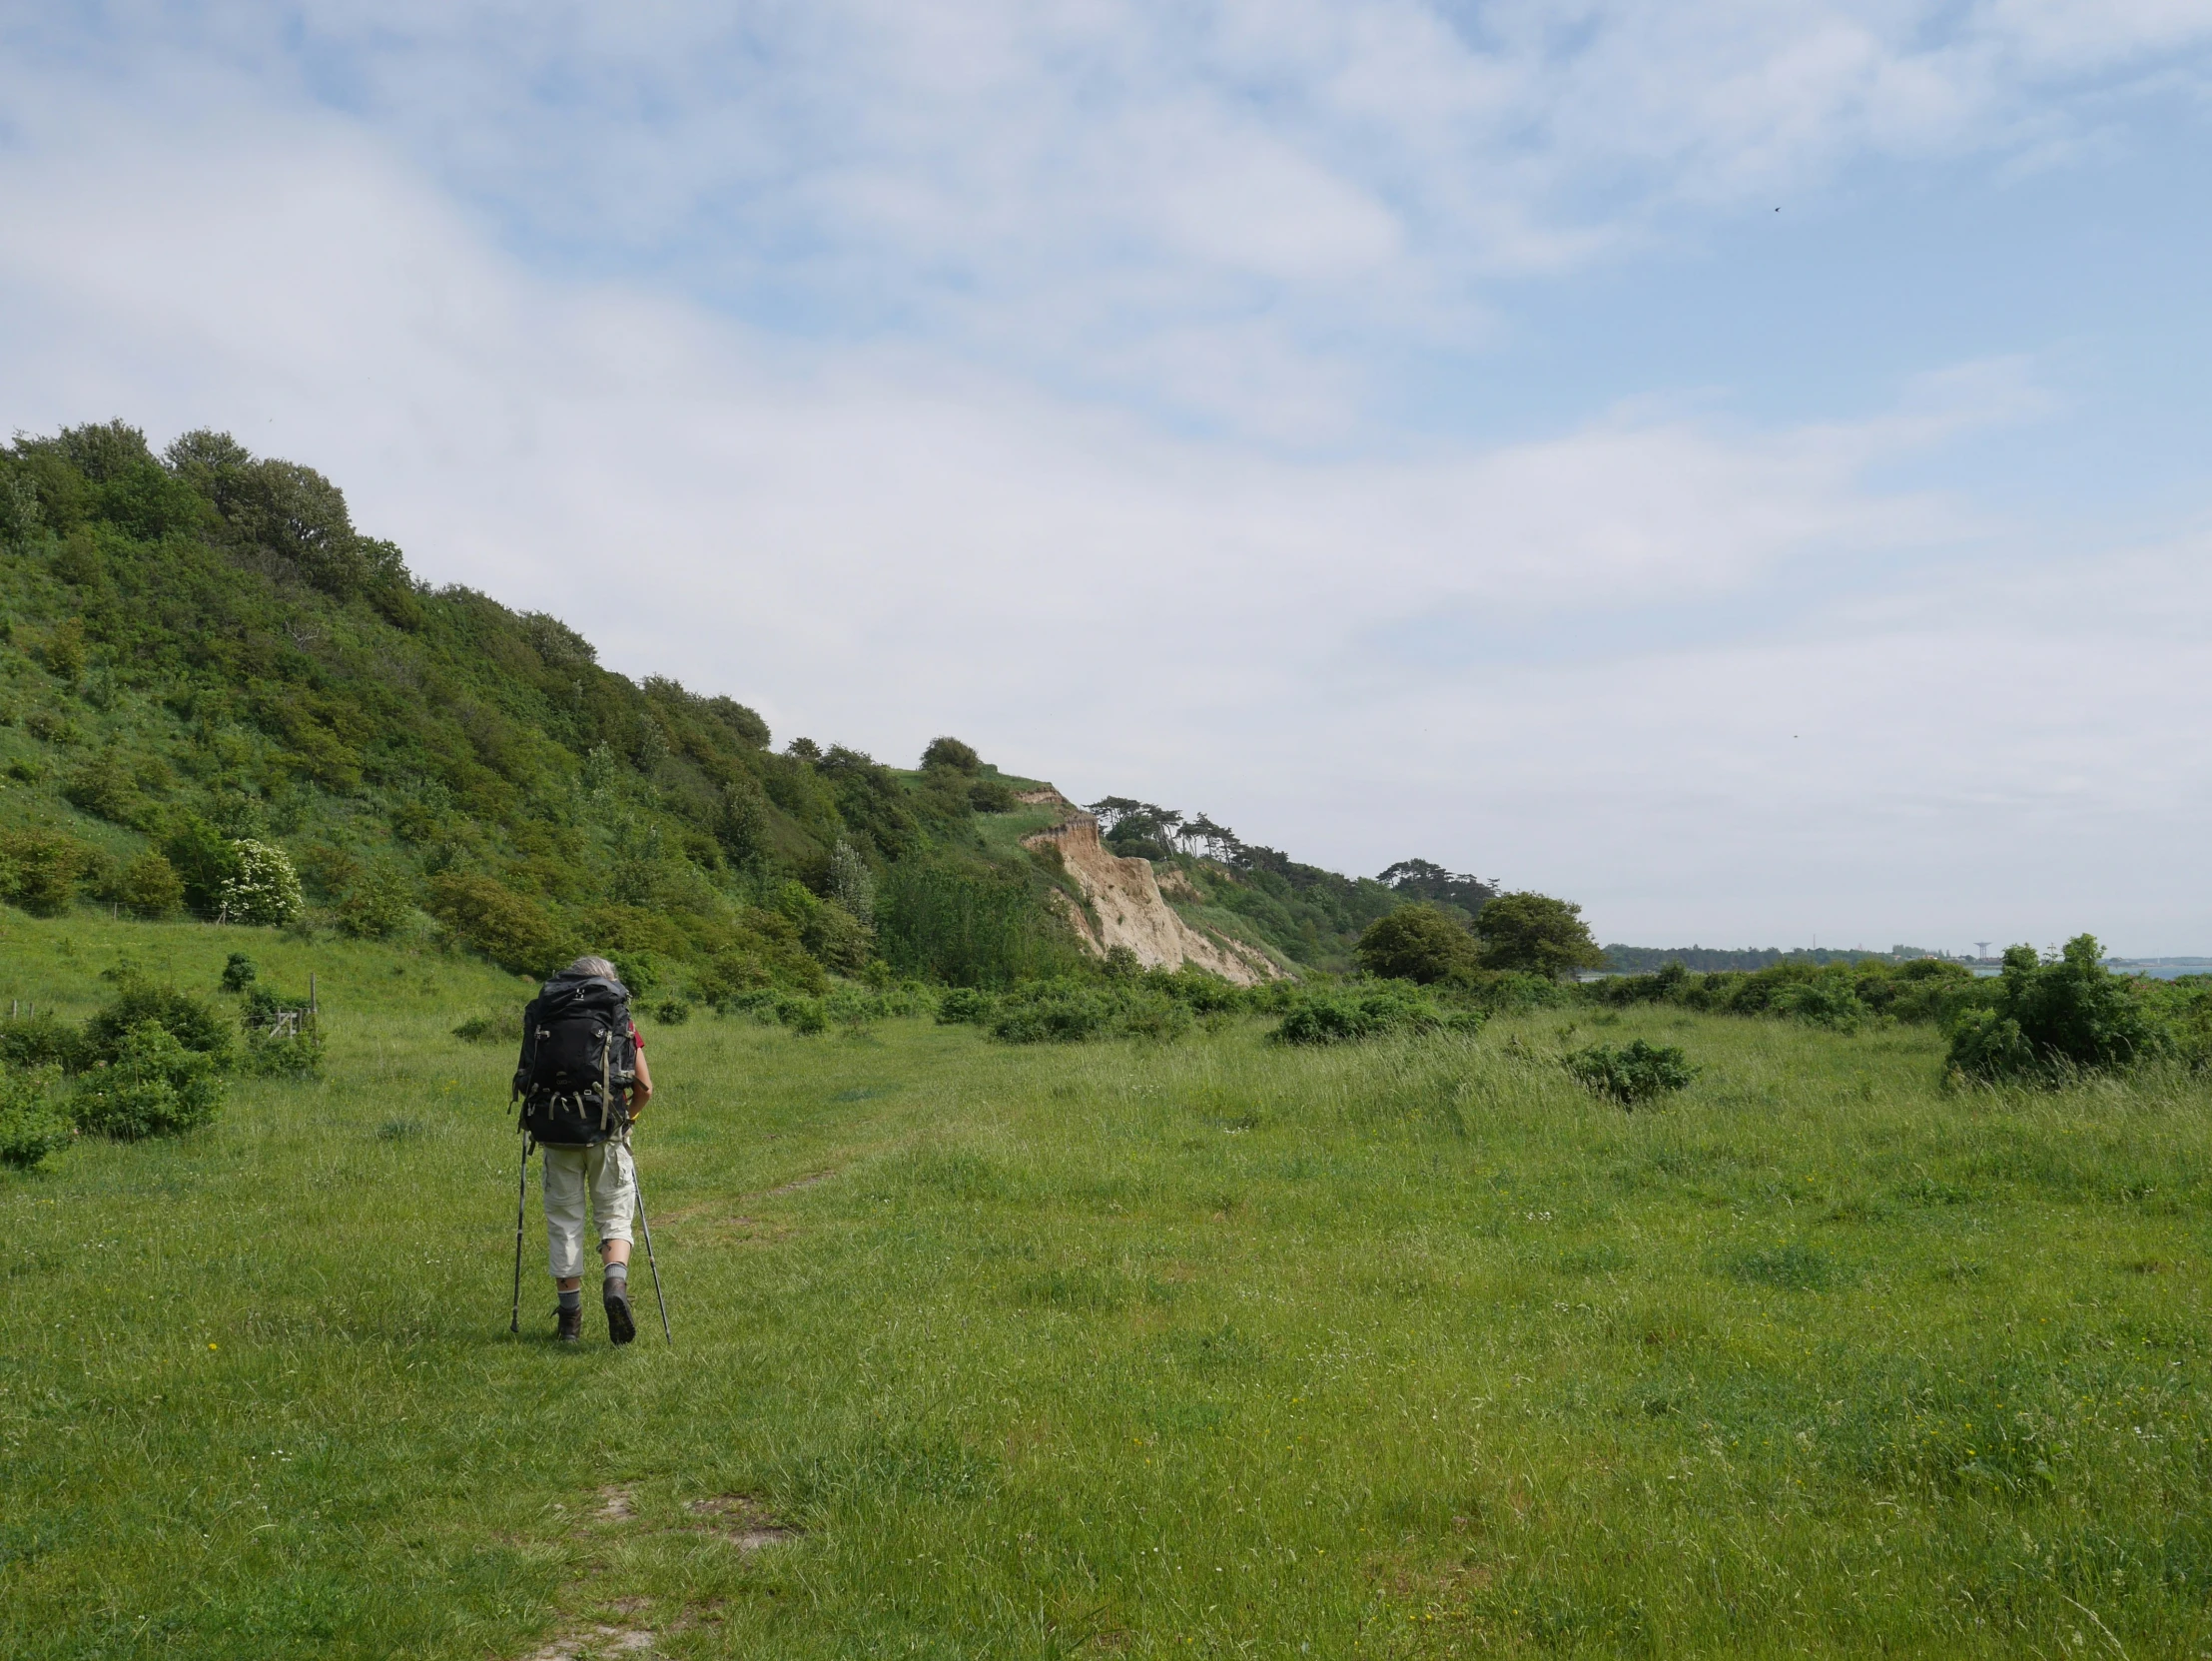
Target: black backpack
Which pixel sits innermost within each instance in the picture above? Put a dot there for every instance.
(578, 1060)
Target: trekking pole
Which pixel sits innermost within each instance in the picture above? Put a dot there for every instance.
(646, 1228)
(521, 1187)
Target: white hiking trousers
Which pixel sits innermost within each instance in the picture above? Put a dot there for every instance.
(605, 1169)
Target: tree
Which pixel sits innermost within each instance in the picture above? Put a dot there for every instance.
(1421, 879)
(1417, 943)
(263, 890)
(1537, 935)
(150, 886)
(950, 752)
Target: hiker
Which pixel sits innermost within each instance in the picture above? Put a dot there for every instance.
(583, 1080)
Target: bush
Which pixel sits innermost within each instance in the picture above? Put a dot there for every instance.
(191, 1022)
(1345, 1018)
(238, 972)
(41, 870)
(274, 1045)
(2053, 1019)
(40, 1041)
(673, 1012)
(31, 1125)
(1070, 1012)
(1417, 943)
(1822, 1003)
(154, 1086)
(486, 1029)
(152, 888)
(204, 860)
(837, 938)
(804, 1016)
(517, 934)
(103, 787)
(263, 891)
(966, 1006)
(378, 906)
(1638, 1071)
(293, 1055)
(1052, 1011)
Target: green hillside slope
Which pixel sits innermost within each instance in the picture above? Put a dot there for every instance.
(199, 650)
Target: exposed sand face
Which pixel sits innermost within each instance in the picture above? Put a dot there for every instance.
(1132, 912)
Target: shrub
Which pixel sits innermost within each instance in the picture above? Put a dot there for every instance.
(150, 886)
(377, 907)
(1417, 943)
(274, 1045)
(1051, 1012)
(263, 891)
(992, 796)
(293, 1055)
(28, 1043)
(32, 1126)
(238, 972)
(517, 934)
(154, 1086)
(190, 1021)
(205, 859)
(638, 970)
(1070, 1012)
(837, 938)
(673, 1012)
(1822, 1003)
(2054, 1019)
(103, 787)
(1343, 1018)
(966, 1005)
(804, 1016)
(1638, 1071)
(486, 1029)
(41, 870)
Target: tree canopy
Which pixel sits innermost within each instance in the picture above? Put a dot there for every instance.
(1537, 935)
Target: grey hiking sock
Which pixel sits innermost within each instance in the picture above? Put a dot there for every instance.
(572, 1299)
(618, 1274)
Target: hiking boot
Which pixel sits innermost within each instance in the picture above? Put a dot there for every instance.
(570, 1326)
(621, 1328)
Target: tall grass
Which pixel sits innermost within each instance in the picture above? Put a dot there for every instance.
(1414, 1348)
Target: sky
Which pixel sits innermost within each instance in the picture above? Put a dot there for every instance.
(1737, 465)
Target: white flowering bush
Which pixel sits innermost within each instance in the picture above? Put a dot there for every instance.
(265, 889)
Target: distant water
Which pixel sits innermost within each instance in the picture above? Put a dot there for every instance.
(2154, 969)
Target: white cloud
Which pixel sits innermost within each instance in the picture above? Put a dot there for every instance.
(1068, 188)
(1712, 680)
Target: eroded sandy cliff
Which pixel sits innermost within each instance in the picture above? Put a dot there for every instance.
(1131, 911)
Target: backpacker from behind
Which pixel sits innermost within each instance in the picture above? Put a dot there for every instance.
(578, 1060)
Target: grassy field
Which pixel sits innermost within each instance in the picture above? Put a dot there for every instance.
(1214, 1349)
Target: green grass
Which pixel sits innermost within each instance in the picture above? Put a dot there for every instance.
(1405, 1349)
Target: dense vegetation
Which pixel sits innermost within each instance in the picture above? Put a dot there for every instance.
(1642, 960)
(218, 697)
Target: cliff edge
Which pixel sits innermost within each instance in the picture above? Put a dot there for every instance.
(1129, 910)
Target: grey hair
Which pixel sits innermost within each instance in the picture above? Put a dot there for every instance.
(594, 966)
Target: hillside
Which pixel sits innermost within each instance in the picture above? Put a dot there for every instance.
(199, 650)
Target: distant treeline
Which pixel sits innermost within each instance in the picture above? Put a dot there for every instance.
(1711, 960)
